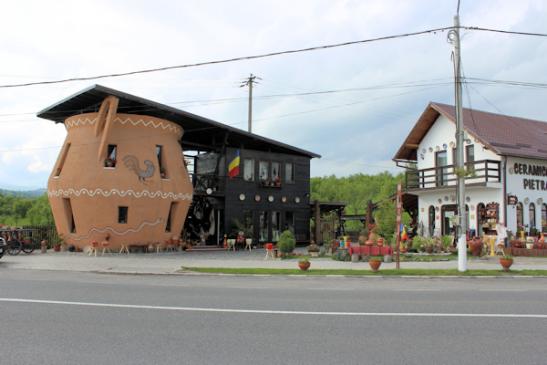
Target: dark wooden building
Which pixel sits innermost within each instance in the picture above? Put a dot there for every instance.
(270, 193)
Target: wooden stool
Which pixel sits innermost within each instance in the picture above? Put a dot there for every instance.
(124, 248)
(94, 248)
(106, 247)
(269, 251)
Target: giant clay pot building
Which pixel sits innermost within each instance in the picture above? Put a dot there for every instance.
(122, 173)
(120, 176)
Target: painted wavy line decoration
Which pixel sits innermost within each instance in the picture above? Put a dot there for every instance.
(122, 193)
(139, 122)
(79, 122)
(112, 230)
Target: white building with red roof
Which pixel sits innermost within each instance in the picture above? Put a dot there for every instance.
(505, 168)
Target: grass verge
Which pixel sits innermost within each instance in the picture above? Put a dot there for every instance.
(387, 272)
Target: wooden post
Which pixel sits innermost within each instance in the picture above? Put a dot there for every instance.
(317, 215)
(398, 225)
(369, 213)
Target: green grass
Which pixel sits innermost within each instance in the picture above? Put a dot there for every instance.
(427, 258)
(387, 272)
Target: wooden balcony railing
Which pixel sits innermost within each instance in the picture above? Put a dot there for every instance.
(478, 172)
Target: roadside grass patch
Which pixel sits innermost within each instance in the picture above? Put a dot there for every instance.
(349, 272)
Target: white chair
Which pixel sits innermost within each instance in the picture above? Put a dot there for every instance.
(231, 244)
(249, 244)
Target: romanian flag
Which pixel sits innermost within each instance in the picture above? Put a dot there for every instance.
(233, 167)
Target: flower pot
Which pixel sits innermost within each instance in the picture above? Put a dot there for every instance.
(506, 263)
(374, 264)
(304, 265)
(380, 242)
(56, 248)
(369, 242)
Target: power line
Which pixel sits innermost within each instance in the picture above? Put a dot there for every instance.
(228, 60)
(396, 85)
(504, 31)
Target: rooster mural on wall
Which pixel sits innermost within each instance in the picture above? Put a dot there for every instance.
(132, 163)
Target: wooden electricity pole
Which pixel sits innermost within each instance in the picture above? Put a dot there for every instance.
(249, 82)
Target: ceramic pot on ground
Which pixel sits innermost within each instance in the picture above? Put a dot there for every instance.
(506, 263)
(304, 265)
(375, 264)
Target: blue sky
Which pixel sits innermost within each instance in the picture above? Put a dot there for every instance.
(356, 131)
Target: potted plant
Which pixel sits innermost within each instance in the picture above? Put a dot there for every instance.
(304, 264)
(286, 243)
(58, 243)
(109, 162)
(506, 261)
(375, 262)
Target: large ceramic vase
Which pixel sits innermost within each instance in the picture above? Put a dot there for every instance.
(120, 177)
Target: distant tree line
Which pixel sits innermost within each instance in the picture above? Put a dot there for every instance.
(24, 211)
(356, 190)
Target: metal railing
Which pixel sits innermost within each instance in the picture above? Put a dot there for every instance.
(477, 172)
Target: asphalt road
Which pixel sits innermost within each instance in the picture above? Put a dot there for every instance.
(90, 318)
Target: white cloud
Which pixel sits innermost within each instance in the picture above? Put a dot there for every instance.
(66, 38)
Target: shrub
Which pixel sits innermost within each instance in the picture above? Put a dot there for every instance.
(446, 241)
(286, 242)
(417, 243)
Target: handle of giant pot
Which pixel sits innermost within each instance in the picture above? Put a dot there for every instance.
(106, 115)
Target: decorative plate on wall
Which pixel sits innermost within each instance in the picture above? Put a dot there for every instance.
(284, 199)
(445, 146)
(430, 149)
(270, 198)
(452, 144)
(446, 198)
(422, 156)
(257, 197)
(242, 196)
(440, 200)
(539, 201)
(467, 199)
(297, 200)
(526, 201)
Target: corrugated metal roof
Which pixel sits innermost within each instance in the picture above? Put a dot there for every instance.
(503, 134)
(197, 130)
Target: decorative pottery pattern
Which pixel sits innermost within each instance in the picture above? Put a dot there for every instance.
(77, 122)
(122, 193)
(112, 230)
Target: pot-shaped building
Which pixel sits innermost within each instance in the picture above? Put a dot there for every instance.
(119, 177)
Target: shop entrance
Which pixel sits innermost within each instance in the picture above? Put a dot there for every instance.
(447, 222)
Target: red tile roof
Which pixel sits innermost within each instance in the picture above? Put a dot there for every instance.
(504, 134)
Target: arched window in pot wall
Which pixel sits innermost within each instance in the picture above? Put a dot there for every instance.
(544, 218)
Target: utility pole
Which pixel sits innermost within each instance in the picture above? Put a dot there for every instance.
(454, 38)
(249, 82)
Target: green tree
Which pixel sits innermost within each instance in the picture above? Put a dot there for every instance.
(40, 212)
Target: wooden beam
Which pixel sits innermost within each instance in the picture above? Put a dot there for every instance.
(413, 146)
